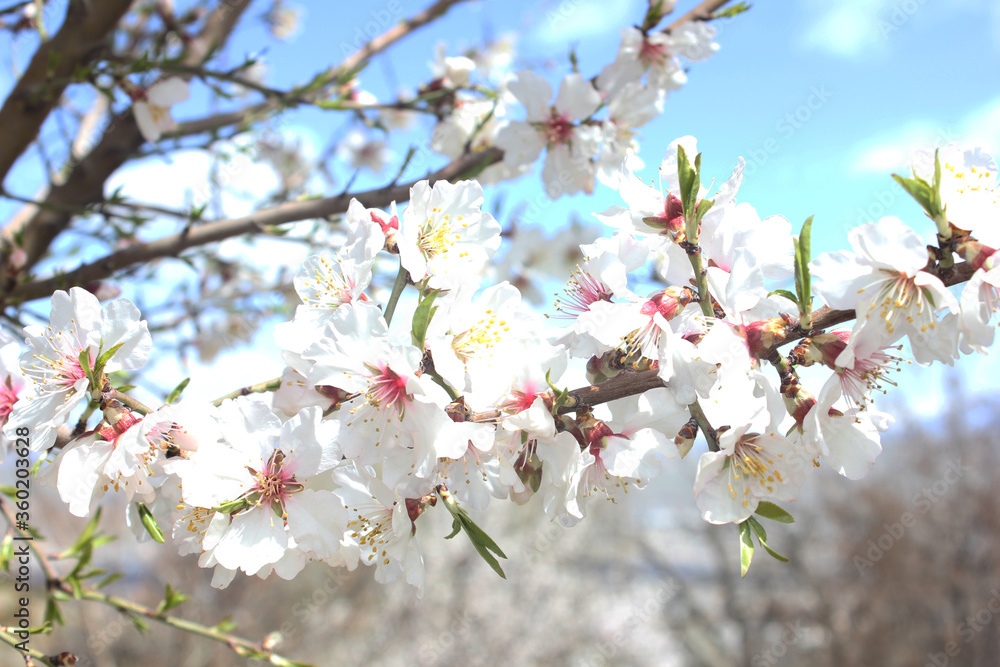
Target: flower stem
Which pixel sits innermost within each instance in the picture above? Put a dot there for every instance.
(397, 289)
(706, 428)
(259, 388)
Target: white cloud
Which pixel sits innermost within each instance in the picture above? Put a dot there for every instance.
(890, 151)
(564, 21)
(848, 29)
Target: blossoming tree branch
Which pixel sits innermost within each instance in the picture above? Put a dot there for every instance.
(418, 377)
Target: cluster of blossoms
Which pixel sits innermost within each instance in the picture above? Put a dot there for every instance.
(456, 397)
(378, 416)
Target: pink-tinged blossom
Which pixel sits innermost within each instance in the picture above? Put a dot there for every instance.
(884, 282)
(980, 300)
(569, 165)
(847, 440)
(12, 384)
(52, 361)
(391, 404)
(380, 529)
(261, 474)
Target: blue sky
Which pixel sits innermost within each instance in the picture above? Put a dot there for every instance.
(823, 99)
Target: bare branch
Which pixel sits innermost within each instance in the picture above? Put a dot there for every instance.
(84, 185)
(84, 32)
(210, 232)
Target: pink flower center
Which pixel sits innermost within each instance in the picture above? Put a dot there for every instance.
(653, 54)
(388, 390)
(558, 129)
(582, 290)
(8, 396)
(275, 483)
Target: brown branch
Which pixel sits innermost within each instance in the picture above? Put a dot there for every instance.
(121, 140)
(632, 383)
(83, 33)
(211, 232)
(391, 36)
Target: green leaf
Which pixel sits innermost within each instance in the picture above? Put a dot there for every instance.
(920, 190)
(149, 523)
(87, 535)
(746, 548)
(102, 360)
(52, 613)
(114, 576)
(690, 183)
(87, 368)
(769, 510)
(482, 542)
(758, 530)
(422, 318)
(785, 293)
(225, 625)
(730, 12)
(140, 624)
(176, 393)
(171, 599)
(456, 528)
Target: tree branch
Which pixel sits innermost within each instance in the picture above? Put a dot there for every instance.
(121, 140)
(83, 33)
(171, 246)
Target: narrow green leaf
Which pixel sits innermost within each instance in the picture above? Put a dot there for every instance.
(176, 393)
(785, 293)
(920, 190)
(114, 576)
(225, 625)
(52, 613)
(171, 599)
(769, 510)
(149, 523)
(690, 183)
(757, 529)
(730, 12)
(805, 252)
(422, 317)
(140, 624)
(87, 535)
(102, 360)
(456, 528)
(87, 368)
(774, 554)
(746, 548)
